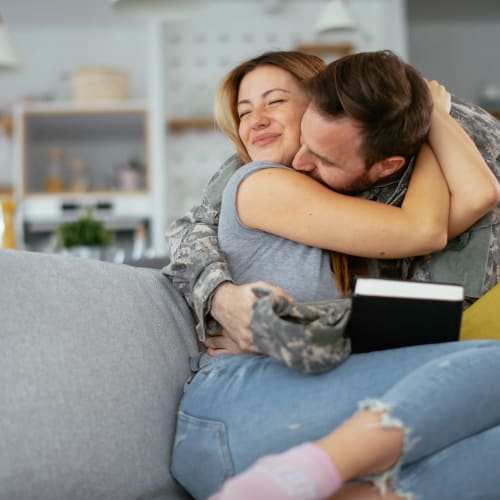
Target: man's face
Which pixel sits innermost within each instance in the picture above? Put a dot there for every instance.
(330, 153)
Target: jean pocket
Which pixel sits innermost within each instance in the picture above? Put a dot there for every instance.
(201, 460)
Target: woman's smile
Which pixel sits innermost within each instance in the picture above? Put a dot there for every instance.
(263, 140)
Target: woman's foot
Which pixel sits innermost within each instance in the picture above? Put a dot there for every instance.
(304, 472)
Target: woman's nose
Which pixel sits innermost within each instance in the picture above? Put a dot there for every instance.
(259, 119)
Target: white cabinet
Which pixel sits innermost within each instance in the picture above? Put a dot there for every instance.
(73, 157)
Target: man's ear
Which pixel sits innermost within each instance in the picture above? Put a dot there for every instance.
(386, 168)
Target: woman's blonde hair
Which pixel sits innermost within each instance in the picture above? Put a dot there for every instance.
(302, 67)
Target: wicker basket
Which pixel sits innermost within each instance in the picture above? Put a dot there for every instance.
(95, 83)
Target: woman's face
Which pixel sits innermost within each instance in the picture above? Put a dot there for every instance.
(270, 107)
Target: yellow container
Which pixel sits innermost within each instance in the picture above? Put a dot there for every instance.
(9, 235)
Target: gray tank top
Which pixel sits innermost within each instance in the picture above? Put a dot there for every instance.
(301, 270)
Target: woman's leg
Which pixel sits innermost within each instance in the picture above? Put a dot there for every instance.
(316, 470)
(439, 404)
(240, 408)
(466, 470)
(427, 408)
(450, 474)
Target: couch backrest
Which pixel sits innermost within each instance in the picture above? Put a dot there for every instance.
(93, 358)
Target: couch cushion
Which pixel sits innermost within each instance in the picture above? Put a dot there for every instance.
(93, 357)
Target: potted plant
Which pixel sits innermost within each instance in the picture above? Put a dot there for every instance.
(85, 237)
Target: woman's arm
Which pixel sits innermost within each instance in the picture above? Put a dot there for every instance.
(473, 188)
(295, 206)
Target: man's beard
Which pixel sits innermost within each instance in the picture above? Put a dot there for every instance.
(355, 187)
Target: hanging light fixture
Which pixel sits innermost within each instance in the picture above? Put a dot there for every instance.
(8, 54)
(169, 10)
(334, 17)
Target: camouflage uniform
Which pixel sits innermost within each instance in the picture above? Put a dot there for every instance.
(198, 266)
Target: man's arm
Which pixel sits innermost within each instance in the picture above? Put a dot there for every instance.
(197, 265)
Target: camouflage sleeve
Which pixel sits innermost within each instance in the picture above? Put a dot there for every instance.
(308, 337)
(197, 265)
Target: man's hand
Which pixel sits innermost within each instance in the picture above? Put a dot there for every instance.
(232, 307)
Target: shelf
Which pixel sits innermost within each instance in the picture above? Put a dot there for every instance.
(77, 156)
(194, 122)
(93, 146)
(326, 49)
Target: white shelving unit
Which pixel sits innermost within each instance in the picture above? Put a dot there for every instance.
(105, 138)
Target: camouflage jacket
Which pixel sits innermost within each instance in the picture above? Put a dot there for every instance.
(198, 266)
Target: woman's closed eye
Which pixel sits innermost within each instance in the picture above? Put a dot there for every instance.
(276, 101)
(271, 103)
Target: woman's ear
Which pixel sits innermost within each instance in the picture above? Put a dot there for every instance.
(386, 168)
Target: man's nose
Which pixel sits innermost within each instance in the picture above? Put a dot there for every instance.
(301, 160)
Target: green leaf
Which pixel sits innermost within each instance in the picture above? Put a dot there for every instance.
(85, 231)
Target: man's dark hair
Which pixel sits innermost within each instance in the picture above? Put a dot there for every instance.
(386, 96)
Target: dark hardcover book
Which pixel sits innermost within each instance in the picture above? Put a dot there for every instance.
(393, 313)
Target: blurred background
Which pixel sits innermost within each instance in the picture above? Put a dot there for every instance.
(107, 104)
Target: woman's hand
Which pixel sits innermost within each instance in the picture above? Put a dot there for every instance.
(222, 343)
(440, 96)
(473, 188)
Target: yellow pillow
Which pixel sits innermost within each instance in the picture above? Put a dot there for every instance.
(482, 319)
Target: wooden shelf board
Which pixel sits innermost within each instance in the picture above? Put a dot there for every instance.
(322, 49)
(182, 124)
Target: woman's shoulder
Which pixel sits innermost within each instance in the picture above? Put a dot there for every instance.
(249, 169)
(260, 165)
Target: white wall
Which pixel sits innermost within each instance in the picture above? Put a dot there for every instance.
(456, 42)
(462, 55)
(52, 52)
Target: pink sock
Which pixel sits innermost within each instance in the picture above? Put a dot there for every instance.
(301, 473)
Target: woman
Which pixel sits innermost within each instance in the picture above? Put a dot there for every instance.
(283, 408)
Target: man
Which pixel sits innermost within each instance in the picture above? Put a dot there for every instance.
(348, 93)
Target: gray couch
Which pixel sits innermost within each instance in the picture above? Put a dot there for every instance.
(93, 359)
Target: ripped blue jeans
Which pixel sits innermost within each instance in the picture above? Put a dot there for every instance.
(445, 396)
